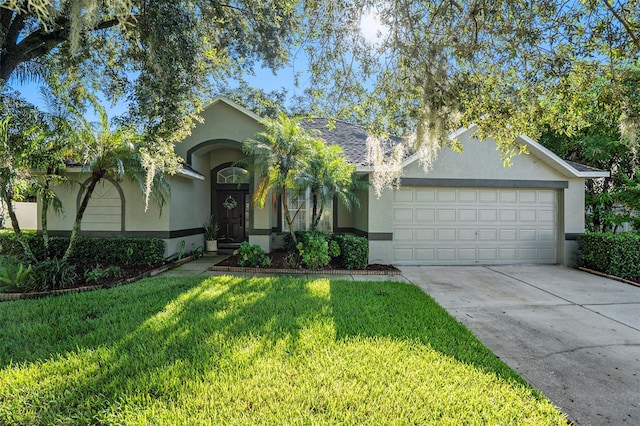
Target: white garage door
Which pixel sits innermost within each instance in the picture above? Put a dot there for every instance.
(470, 226)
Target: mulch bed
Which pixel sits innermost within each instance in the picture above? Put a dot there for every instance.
(129, 275)
(279, 264)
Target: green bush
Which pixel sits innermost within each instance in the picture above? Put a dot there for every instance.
(97, 273)
(614, 254)
(314, 250)
(13, 273)
(51, 274)
(251, 255)
(121, 251)
(354, 250)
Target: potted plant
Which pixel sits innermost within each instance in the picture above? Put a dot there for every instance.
(211, 229)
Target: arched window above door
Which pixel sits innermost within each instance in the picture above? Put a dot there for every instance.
(232, 175)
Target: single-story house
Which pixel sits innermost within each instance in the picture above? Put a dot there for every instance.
(468, 210)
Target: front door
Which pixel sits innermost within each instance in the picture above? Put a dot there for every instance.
(233, 215)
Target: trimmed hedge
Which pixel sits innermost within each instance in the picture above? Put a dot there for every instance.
(354, 250)
(614, 254)
(121, 251)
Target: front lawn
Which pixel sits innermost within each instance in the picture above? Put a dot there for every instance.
(230, 350)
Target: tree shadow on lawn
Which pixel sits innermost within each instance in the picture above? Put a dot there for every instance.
(199, 326)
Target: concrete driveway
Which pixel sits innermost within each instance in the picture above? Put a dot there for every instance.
(574, 336)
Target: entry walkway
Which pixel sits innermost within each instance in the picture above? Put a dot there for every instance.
(573, 335)
(201, 267)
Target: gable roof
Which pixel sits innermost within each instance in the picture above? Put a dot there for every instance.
(353, 140)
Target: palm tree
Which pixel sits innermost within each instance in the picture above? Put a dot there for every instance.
(112, 154)
(277, 154)
(328, 175)
(15, 144)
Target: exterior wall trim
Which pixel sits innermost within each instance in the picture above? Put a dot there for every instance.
(133, 234)
(572, 236)
(485, 183)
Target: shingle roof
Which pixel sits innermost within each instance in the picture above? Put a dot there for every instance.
(351, 137)
(582, 167)
(353, 140)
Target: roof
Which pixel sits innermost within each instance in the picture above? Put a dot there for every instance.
(350, 137)
(353, 140)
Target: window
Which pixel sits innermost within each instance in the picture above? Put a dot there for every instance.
(232, 175)
(301, 209)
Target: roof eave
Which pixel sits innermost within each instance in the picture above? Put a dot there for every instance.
(189, 174)
(220, 98)
(556, 162)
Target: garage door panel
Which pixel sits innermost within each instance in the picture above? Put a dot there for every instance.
(467, 254)
(446, 215)
(508, 215)
(446, 234)
(474, 226)
(467, 215)
(425, 195)
(527, 215)
(403, 196)
(403, 234)
(446, 254)
(428, 234)
(487, 254)
(488, 235)
(403, 215)
(425, 215)
(487, 215)
(468, 196)
(467, 234)
(508, 196)
(425, 254)
(547, 216)
(446, 195)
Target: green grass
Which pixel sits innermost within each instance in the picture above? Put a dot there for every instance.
(229, 350)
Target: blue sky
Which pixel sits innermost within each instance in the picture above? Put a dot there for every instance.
(264, 78)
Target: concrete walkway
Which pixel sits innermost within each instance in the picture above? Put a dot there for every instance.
(573, 335)
(201, 267)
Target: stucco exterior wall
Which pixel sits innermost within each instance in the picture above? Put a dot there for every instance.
(135, 218)
(481, 160)
(220, 121)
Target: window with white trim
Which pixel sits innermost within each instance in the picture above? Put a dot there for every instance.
(301, 209)
(232, 175)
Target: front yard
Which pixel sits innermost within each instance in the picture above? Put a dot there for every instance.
(222, 350)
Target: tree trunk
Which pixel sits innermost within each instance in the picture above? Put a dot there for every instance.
(8, 199)
(287, 215)
(45, 227)
(95, 178)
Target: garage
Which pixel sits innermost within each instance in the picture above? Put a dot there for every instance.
(470, 226)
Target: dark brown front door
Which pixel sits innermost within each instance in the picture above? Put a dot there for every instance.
(233, 215)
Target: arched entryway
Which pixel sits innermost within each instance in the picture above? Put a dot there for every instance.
(230, 203)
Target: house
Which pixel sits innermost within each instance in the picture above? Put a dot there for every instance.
(467, 210)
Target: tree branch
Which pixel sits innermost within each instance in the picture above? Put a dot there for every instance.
(624, 22)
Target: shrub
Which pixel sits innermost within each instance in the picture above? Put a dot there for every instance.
(122, 251)
(354, 251)
(50, 275)
(98, 273)
(251, 255)
(614, 254)
(13, 273)
(314, 250)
